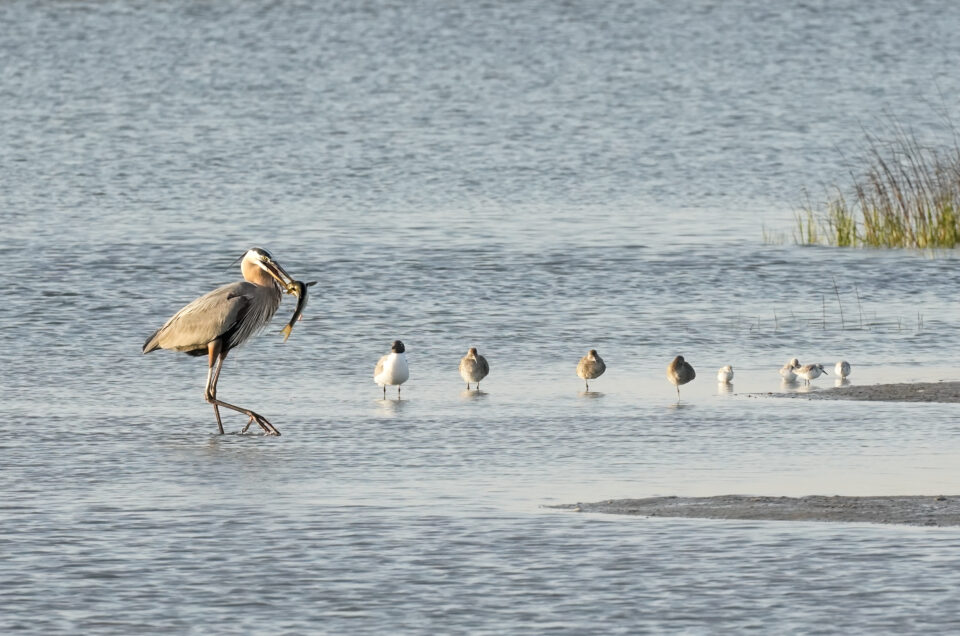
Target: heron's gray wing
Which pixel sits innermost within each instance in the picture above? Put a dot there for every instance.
(204, 319)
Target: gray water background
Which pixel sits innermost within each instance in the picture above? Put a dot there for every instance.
(534, 179)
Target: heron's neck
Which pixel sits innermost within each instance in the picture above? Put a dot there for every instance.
(254, 274)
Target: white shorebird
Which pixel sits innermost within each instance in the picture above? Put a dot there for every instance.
(725, 375)
(473, 367)
(842, 369)
(787, 371)
(392, 369)
(680, 372)
(810, 372)
(591, 366)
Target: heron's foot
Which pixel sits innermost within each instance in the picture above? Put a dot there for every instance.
(268, 428)
(247, 427)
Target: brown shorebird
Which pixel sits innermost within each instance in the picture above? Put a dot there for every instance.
(591, 366)
(680, 372)
(473, 367)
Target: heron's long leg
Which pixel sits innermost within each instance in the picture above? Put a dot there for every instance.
(214, 349)
(210, 392)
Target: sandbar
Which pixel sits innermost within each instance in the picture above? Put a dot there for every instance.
(906, 392)
(938, 511)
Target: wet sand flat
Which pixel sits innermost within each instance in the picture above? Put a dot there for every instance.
(902, 510)
(905, 510)
(906, 392)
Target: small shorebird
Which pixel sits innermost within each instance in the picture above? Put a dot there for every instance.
(725, 375)
(392, 369)
(473, 367)
(810, 372)
(787, 371)
(591, 366)
(842, 369)
(680, 372)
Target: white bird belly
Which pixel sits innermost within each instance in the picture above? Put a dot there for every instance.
(394, 371)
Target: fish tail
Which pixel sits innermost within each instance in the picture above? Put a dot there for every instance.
(286, 332)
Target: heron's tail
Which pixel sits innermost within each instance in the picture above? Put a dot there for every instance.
(153, 342)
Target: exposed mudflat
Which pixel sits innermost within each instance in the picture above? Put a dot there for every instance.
(910, 510)
(907, 392)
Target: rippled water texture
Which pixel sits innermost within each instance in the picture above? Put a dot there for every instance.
(534, 179)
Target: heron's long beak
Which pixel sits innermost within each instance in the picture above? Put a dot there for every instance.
(274, 269)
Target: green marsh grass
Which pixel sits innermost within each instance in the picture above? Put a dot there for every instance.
(908, 195)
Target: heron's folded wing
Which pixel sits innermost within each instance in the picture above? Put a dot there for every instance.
(203, 320)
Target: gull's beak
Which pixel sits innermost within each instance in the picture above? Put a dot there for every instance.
(279, 274)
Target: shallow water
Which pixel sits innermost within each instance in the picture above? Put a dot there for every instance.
(535, 180)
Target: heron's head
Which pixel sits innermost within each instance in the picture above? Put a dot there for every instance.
(397, 347)
(258, 259)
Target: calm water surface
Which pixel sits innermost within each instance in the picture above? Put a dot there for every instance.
(534, 179)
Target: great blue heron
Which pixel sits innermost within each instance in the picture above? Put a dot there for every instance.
(473, 367)
(680, 372)
(590, 366)
(225, 318)
(392, 368)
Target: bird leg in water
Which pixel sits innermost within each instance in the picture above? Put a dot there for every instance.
(215, 353)
(210, 392)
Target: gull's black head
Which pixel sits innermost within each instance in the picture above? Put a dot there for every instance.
(397, 347)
